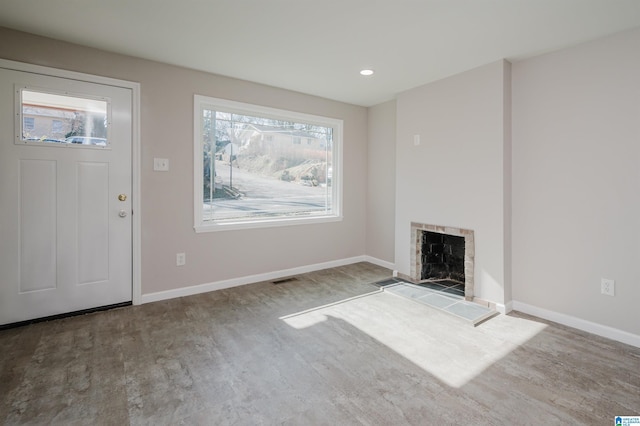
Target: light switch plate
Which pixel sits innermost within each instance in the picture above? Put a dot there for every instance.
(161, 164)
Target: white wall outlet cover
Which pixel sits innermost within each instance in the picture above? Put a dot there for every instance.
(181, 259)
(416, 140)
(161, 164)
(607, 287)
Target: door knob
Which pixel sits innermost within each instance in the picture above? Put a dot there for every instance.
(122, 213)
(122, 197)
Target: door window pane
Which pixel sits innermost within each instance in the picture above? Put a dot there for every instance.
(63, 119)
(29, 123)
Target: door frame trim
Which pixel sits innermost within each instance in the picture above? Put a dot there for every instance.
(136, 222)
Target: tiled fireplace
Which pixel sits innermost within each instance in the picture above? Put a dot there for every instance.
(442, 253)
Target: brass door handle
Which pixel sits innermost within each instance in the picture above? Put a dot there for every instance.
(122, 197)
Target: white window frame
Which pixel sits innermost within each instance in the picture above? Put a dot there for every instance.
(205, 102)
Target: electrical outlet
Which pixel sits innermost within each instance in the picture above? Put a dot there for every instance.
(607, 287)
(181, 259)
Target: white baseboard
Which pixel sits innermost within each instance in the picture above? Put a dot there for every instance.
(380, 262)
(249, 279)
(504, 308)
(580, 324)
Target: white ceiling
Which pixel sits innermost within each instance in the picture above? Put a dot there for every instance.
(319, 46)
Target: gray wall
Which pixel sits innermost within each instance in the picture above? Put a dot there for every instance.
(458, 174)
(558, 192)
(381, 182)
(576, 180)
(167, 198)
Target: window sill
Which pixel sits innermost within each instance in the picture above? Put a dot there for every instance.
(256, 224)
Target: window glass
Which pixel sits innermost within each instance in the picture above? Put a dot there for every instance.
(252, 168)
(29, 123)
(63, 119)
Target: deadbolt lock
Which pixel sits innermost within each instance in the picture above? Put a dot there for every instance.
(122, 197)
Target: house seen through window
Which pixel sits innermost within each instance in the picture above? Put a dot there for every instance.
(61, 119)
(252, 170)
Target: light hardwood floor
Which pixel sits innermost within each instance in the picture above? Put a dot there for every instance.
(325, 349)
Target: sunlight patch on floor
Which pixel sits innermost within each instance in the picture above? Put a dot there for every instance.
(445, 347)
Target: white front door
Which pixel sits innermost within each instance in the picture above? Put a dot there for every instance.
(65, 195)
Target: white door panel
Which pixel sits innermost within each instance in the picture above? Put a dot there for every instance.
(37, 231)
(63, 245)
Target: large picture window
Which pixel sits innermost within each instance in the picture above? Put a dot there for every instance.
(252, 169)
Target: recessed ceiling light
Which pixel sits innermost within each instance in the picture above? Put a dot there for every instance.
(366, 72)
